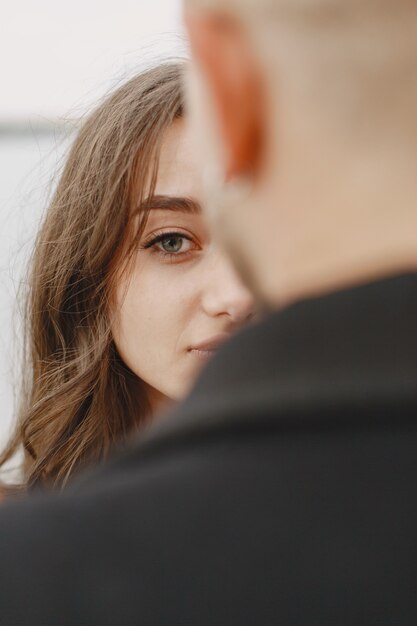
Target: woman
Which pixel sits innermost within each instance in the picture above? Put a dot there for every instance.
(128, 295)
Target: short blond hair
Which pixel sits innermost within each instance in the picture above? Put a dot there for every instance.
(352, 60)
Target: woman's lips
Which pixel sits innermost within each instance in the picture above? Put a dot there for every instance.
(208, 347)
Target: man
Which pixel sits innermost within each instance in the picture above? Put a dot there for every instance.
(283, 491)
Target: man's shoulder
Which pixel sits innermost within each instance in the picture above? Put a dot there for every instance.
(126, 541)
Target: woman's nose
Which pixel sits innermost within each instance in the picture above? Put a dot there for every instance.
(224, 293)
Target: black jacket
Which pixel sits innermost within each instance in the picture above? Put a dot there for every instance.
(281, 493)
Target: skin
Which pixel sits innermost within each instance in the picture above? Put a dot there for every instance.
(305, 194)
(182, 292)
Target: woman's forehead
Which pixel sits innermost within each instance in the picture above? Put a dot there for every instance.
(178, 175)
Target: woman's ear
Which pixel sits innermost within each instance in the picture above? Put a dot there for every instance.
(222, 49)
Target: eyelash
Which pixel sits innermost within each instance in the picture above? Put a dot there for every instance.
(172, 256)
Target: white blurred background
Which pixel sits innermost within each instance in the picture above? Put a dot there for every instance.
(57, 60)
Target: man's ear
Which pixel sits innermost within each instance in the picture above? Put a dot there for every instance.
(222, 49)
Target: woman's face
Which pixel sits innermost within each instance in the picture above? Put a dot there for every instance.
(182, 298)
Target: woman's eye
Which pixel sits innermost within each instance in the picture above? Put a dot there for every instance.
(174, 244)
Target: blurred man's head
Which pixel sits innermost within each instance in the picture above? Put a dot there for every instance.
(306, 110)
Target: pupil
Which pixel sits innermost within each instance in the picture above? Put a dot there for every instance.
(173, 244)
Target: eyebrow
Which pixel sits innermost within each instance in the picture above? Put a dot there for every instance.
(171, 203)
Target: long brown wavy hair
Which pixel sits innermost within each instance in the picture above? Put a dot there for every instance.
(79, 398)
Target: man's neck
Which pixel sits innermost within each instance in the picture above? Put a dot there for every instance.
(371, 236)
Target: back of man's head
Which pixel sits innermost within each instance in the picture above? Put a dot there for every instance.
(312, 104)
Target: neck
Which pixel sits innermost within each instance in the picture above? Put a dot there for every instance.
(158, 402)
(329, 271)
(362, 227)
